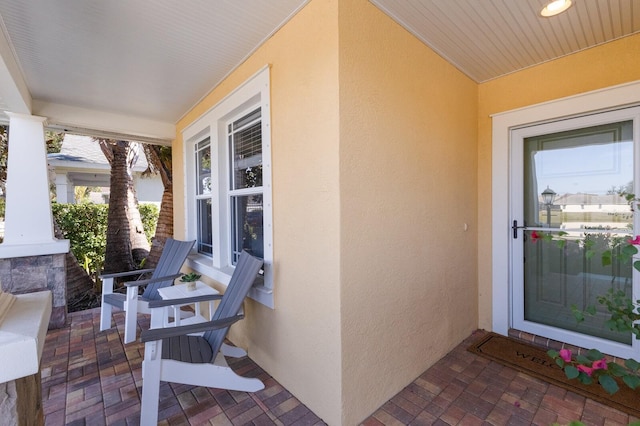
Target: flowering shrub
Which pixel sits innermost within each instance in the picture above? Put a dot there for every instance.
(624, 317)
(593, 367)
(623, 248)
(625, 314)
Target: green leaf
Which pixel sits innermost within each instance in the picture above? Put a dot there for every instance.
(589, 254)
(608, 383)
(591, 310)
(632, 381)
(629, 250)
(594, 355)
(561, 243)
(582, 359)
(585, 379)
(632, 364)
(616, 370)
(578, 315)
(606, 258)
(636, 265)
(571, 372)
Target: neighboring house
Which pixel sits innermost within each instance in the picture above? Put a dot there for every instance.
(81, 162)
(579, 211)
(382, 185)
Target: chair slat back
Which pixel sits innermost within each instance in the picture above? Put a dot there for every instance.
(173, 255)
(241, 281)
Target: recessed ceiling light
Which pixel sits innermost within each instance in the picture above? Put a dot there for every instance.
(555, 7)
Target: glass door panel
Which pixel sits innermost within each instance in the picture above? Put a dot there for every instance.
(573, 213)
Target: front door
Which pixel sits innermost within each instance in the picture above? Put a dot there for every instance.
(570, 221)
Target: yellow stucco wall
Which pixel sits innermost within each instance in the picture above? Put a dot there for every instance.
(374, 167)
(603, 66)
(407, 188)
(298, 342)
(381, 192)
(381, 155)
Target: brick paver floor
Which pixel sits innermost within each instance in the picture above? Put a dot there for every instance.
(89, 378)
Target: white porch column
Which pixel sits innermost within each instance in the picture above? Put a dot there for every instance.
(64, 189)
(28, 218)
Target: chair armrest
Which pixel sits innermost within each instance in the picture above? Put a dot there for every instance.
(162, 333)
(183, 301)
(126, 274)
(138, 283)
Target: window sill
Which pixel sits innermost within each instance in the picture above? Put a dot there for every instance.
(202, 265)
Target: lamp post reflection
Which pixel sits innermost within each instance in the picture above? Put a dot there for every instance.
(548, 195)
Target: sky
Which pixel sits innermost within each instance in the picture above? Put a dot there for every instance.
(591, 169)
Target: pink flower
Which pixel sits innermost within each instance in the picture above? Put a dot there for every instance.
(635, 241)
(535, 236)
(565, 354)
(585, 369)
(601, 364)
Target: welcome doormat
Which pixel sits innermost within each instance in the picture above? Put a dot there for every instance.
(535, 362)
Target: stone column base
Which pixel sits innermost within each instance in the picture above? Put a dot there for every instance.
(28, 274)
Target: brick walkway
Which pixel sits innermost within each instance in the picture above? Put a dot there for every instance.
(465, 389)
(88, 378)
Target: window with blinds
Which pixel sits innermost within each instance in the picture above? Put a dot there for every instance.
(203, 197)
(228, 185)
(245, 146)
(245, 185)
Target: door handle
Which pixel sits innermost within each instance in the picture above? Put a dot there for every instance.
(515, 228)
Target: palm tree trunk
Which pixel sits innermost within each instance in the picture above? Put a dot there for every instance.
(81, 291)
(139, 244)
(159, 160)
(118, 254)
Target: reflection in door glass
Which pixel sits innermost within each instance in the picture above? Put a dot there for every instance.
(572, 186)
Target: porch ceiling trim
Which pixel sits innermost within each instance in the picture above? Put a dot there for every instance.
(87, 122)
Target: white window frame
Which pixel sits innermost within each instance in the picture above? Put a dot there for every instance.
(253, 93)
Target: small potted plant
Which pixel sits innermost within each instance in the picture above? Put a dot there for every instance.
(190, 279)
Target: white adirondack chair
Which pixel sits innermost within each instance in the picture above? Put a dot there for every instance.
(168, 269)
(173, 354)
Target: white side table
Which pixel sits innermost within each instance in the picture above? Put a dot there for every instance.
(180, 291)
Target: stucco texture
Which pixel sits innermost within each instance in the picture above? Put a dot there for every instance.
(381, 155)
(374, 204)
(298, 342)
(607, 65)
(407, 189)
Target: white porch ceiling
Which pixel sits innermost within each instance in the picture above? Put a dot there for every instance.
(486, 39)
(129, 64)
(134, 67)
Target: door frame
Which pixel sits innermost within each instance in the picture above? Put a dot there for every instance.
(503, 123)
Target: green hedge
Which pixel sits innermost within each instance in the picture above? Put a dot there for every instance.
(149, 214)
(85, 226)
